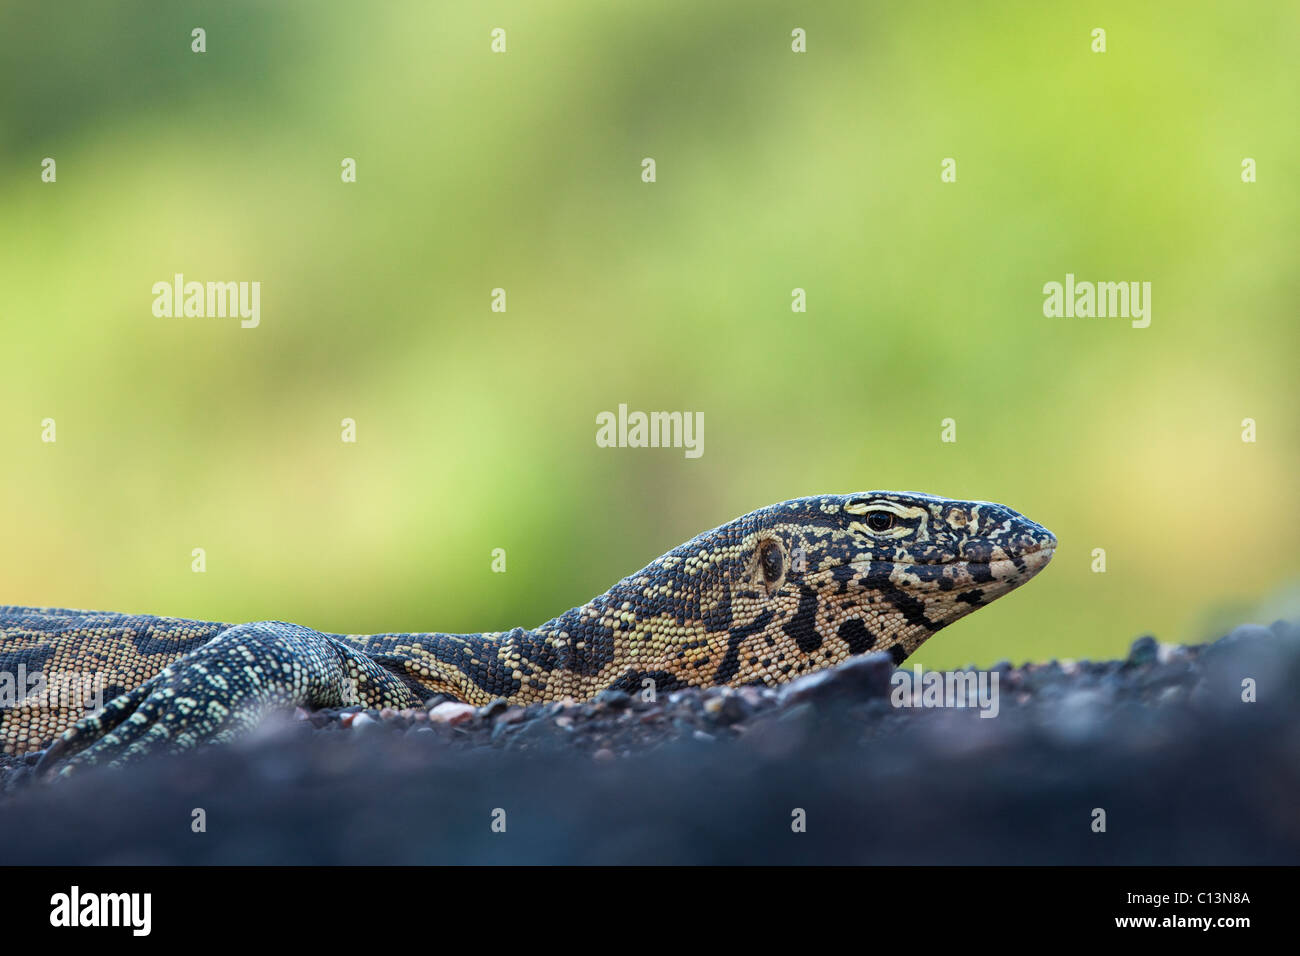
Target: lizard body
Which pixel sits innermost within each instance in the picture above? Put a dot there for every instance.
(774, 594)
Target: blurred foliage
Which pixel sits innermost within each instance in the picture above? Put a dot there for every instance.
(775, 171)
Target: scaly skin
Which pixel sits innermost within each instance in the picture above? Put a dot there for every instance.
(777, 593)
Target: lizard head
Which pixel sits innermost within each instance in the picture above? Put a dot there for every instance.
(795, 587)
(806, 583)
(885, 570)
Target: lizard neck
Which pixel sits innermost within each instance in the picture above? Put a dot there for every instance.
(618, 638)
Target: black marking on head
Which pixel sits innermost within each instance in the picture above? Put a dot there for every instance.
(930, 573)
(719, 616)
(898, 653)
(803, 626)
(730, 665)
(975, 597)
(877, 575)
(854, 633)
(912, 609)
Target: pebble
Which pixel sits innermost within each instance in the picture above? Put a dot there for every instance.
(1171, 694)
(452, 713)
(730, 709)
(512, 715)
(1144, 650)
(863, 676)
(1250, 632)
(614, 699)
(753, 696)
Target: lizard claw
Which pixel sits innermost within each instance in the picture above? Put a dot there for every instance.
(127, 727)
(219, 690)
(215, 692)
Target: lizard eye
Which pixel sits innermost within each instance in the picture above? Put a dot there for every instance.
(771, 560)
(880, 520)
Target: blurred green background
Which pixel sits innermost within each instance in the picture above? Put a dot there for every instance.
(523, 171)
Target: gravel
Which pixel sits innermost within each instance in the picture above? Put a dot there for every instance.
(1184, 768)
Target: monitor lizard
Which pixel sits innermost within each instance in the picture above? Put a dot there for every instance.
(772, 595)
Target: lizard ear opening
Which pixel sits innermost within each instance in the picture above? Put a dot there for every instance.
(771, 562)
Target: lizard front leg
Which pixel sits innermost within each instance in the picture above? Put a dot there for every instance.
(225, 688)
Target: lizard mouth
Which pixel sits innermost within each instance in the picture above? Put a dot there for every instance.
(1043, 552)
(1039, 554)
(1038, 551)
(1031, 560)
(1026, 563)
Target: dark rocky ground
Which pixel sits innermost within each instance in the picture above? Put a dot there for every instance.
(1186, 771)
